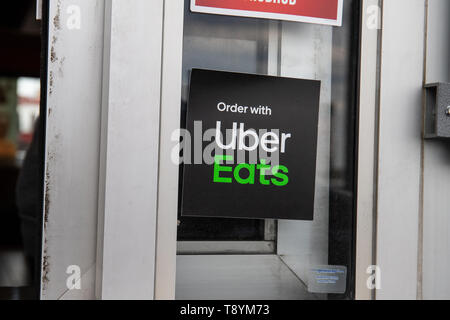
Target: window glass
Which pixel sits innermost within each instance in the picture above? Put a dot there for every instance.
(296, 50)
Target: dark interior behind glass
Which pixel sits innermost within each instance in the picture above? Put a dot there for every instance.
(241, 45)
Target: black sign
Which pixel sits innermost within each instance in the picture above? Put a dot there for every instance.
(251, 146)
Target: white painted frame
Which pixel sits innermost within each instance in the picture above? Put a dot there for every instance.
(74, 98)
(171, 81)
(104, 203)
(129, 163)
(367, 145)
(400, 149)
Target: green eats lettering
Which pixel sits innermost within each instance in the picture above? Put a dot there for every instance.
(247, 173)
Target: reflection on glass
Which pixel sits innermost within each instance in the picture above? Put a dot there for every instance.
(28, 93)
(228, 44)
(297, 50)
(19, 112)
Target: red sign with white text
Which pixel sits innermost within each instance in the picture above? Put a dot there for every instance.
(313, 11)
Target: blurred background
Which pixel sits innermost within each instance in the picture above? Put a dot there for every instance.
(20, 50)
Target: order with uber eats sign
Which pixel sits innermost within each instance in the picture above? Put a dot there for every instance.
(250, 146)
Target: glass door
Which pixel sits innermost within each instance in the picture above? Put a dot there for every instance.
(224, 258)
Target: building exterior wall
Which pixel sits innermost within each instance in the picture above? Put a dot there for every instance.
(403, 180)
(399, 147)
